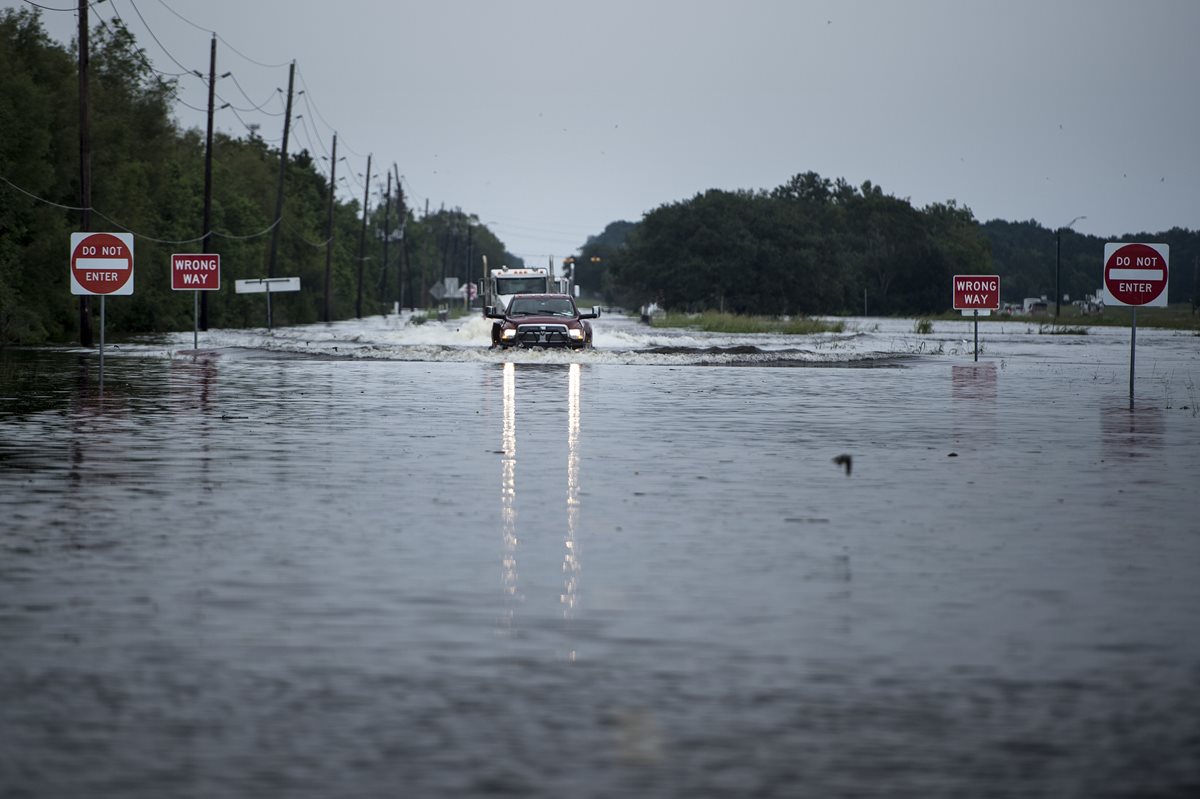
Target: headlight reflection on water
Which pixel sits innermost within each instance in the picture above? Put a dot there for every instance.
(569, 597)
(570, 565)
(508, 493)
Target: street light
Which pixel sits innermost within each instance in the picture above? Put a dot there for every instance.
(1058, 260)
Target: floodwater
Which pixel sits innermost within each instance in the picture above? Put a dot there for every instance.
(378, 559)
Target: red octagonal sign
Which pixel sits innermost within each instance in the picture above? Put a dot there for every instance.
(101, 263)
(1136, 274)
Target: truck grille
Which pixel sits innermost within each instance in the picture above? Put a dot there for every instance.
(542, 335)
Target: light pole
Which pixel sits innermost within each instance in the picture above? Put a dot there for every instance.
(1058, 261)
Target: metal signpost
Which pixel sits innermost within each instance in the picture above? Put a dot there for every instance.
(269, 286)
(1136, 275)
(102, 264)
(196, 272)
(976, 296)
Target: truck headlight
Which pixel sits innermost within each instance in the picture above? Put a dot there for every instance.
(508, 333)
(575, 333)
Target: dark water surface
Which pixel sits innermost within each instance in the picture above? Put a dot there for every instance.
(256, 574)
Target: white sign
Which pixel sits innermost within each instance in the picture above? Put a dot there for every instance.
(270, 285)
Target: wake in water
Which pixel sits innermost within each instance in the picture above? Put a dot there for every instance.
(865, 342)
(618, 340)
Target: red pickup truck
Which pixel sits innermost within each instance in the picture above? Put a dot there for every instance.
(541, 320)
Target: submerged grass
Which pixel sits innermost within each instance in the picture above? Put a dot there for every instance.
(718, 322)
(1174, 317)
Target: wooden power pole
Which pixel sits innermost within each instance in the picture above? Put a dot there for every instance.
(387, 234)
(202, 323)
(85, 165)
(329, 241)
(283, 155)
(362, 240)
(402, 212)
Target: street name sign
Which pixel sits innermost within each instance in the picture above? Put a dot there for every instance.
(1136, 274)
(196, 271)
(102, 263)
(269, 285)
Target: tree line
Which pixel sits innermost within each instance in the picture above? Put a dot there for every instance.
(148, 178)
(820, 246)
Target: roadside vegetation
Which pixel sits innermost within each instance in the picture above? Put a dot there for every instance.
(1174, 317)
(719, 322)
(148, 175)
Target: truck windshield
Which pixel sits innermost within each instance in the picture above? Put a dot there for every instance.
(520, 285)
(543, 306)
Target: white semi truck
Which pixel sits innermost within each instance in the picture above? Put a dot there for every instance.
(503, 283)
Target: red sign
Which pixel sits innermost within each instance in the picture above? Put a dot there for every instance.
(101, 263)
(1136, 274)
(976, 292)
(196, 272)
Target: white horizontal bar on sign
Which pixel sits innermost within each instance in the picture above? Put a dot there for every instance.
(1135, 274)
(101, 263)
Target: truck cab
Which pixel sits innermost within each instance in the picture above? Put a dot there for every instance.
(505, 283)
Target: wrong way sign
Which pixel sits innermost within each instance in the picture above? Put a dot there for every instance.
(102, 263)
(196, 271)
(976, 292)
(1136, 274)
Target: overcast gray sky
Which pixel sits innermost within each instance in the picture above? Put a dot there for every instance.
(551, 118)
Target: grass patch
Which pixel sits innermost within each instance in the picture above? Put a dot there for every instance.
(1048, 329)
(717, 322)
(1174, 317)
(923, 326)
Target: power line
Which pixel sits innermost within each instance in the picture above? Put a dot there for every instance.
(152, 36)
(185, 19)
(248, 58)
(249, 99)
(141, 53)
(108, 218)
(48, 8)
(312, 104)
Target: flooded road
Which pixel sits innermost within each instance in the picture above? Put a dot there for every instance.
(379, 559)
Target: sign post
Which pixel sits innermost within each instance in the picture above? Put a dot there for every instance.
(976, 296)
(269, 286)
(195, 272)
(1136, 275)
(102, 264)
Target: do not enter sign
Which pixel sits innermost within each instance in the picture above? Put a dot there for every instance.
(1136, 274)
(102, 263)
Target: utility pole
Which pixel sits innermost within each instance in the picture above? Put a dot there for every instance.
(387, 234)
(85, 165)
(402, 211)
(467, 269)
(1195, 283)
(329, 241)
(208, 147)
(362, 240)
(1058, 261)
(283, 150)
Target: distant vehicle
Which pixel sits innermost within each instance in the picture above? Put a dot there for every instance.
(541, 320)
(504, 283)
